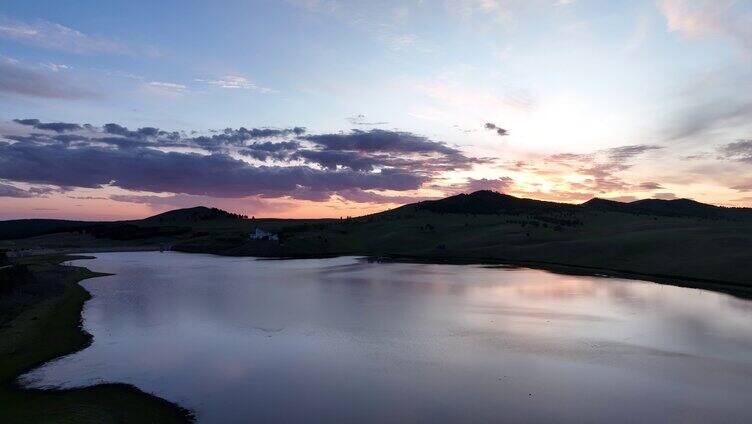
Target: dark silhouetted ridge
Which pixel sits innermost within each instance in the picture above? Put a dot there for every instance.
(24, 228)
(173, 222)
(597, 203)
(486, 202)
(679, 207)
(672, 208)
(196, 214)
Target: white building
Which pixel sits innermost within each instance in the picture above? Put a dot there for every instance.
(259, 234)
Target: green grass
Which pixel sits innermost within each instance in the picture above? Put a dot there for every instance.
(49, 329)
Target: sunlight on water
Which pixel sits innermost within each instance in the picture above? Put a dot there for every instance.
(238, 339)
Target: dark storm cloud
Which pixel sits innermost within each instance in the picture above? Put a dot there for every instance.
(156, 171)
(267, 150)
(268, 146)
(365, 150)
(356, 150)
(359, 161)
(58, 127)
(500, 131)
(379, 141)
(230, 137)
(123, 131)
(311, 167)
(16, 79)
(28, 122)
(332, 159)
(141, 137)
(76, 140)
(263, 151)
(149, 137)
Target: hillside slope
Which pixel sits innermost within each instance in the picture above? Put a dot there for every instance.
(679, 239)
(22, 228)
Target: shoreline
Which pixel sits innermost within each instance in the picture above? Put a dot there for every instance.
(120, 400)
(51, 329)
(719, 286)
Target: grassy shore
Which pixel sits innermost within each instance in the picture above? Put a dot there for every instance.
(49, 328)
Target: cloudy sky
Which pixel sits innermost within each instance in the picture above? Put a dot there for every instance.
(313, 108)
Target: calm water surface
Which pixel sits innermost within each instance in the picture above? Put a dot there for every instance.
(344, 340)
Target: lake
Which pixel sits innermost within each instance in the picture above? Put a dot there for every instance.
(346, 340)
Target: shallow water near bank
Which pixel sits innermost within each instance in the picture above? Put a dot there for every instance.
(345, 340)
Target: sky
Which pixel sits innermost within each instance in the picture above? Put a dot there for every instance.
(329, 108)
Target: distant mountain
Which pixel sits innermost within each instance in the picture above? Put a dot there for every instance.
(486, 202)
(187, 215)
(23, 228)
(677, 239)
(673, 208)
(174, 222)
(606, 205)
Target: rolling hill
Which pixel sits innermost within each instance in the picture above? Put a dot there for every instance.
(23, 228)
(486, 202)
(179, 218)
(676, 207)
(678, 240)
